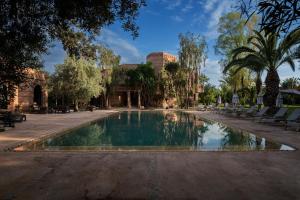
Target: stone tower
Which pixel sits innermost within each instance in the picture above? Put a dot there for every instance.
(159, 59)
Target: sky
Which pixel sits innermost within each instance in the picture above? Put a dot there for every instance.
(160, 23)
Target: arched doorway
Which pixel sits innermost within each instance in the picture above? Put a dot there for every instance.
(37, 98)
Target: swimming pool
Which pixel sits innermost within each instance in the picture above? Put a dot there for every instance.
(156, 130)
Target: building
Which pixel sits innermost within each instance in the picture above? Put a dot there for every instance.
(33, 92)
(123, 95)
(160, 59)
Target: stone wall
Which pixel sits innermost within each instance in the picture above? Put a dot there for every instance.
(160, 59)
(25, 94)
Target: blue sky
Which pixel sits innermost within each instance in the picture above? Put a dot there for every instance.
(160, 22)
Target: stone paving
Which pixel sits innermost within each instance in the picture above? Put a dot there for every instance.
(157, 175)
(43, 125)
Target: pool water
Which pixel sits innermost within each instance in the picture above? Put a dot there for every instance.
(156, 130)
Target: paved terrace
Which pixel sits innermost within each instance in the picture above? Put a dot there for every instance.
(156, 175)
(43, 125)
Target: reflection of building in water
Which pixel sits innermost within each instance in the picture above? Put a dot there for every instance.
(198, 122)
(172, 117)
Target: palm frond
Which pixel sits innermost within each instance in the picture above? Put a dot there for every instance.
(293, 38)
(287, 59)
(240, 50)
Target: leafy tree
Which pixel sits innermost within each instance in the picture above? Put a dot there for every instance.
(210, 94)
(109, 63)
(171, 70)
(203, 79)
(267, 53)
(234, 32)
(107, 58)
(77, 79)
(276, 15)
(143, 77)
(27, 29)
(192, 56)
(291, 83)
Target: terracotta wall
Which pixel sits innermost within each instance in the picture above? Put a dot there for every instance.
(160, 59)
(24, 97)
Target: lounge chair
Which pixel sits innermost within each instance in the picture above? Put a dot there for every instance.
(201, 108)
(7, 119)
(2, 126)
(250, 112)
(293, 120)
(279, 116)
(18, 117)
(260, 114)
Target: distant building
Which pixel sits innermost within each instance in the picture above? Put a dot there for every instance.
(160, 59)
(124, 95)
(33, 92)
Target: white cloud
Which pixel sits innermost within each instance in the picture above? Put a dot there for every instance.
(171, 4)
(177, 18)
(209, 5)
(128, 52)
(188, 6)
(213, 21)
(212, 70)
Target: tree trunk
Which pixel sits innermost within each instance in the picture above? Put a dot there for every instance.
(76, 106)
(272, 88)
(258, 84)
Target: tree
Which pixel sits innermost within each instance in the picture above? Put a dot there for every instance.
(291, 83)
(267, 53)
(27, 29)
(192, 56)
(77, 79)
(108, 62)
(143, 78)
(276, 15)
(234, 32)
(209, 95)
(107, 58)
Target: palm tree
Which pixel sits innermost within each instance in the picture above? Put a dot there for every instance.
(267, 52)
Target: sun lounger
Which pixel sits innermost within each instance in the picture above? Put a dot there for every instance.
(260, 114)
(2, 126)
(201, 108)
(279, 116)
(18, 117)
(250, 112)
(7, 119)
(293, 120)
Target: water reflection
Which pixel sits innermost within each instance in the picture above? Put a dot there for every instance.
(158, 130)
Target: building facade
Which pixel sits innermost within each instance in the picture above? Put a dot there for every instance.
(160, 59)
(32, 93)
(123, 95)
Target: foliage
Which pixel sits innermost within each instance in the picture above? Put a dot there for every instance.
(143, 77)
(27, 29)
(276, 15)
(107, 58)
(267, 53)
(203, 79)
(192, 56)
(234, 32)
(210, 94)
(77, 79)
(291, 83)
